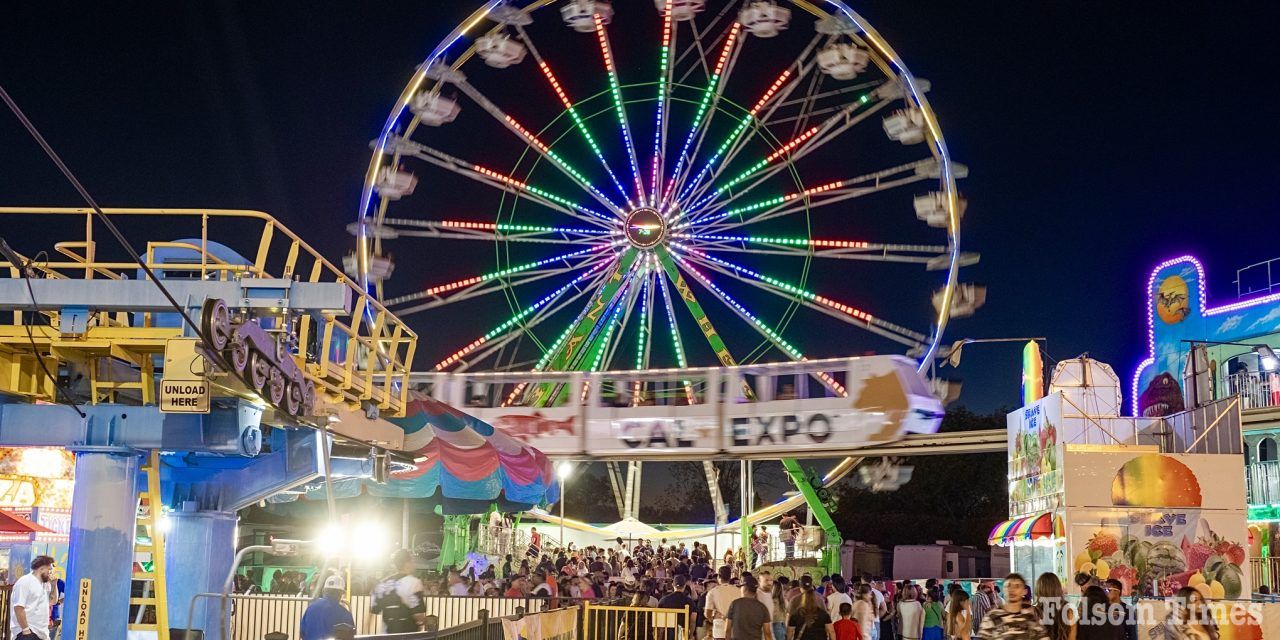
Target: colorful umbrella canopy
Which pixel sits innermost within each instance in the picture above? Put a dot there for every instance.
(460, 460)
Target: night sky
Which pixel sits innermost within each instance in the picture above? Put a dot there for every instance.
(1101, 137)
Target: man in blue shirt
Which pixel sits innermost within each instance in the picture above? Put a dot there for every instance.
(326, 612)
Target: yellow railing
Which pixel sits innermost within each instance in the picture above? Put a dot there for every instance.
(363, 359)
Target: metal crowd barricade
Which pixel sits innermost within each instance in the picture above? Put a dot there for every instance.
(607, 622)
(483, 628)
(452, 611)
(254, 617)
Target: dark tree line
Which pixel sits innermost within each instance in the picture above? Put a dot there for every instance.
(951, 497)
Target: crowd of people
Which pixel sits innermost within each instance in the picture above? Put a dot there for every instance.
(730, 601)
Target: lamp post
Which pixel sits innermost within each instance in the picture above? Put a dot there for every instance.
(562, 471)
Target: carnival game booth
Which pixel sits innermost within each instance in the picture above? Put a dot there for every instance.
(1157, 503)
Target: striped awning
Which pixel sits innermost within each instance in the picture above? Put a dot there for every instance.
(1044, 525)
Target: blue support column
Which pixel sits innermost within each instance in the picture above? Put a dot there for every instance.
(103, 509)
(199, 550)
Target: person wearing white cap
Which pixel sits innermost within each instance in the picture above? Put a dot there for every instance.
(326, 612)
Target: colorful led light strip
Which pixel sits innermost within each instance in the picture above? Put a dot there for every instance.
(582, 127)
(856, 314)
(550, 353)
(458, 284)
(641, 334)
(663, 65)
(712, 83)
(777, 339)
(616, 91)
(735, 134)
(795, 242)
(533, 140)
(784, 149)
(515, 319)
(505, 179)
(773, 88)
(795, 142)
(519, 228)
(764, 204)
(1205, 311)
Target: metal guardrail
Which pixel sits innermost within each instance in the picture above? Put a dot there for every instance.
(1257, 390)
(1211, 428)
(1262, 482)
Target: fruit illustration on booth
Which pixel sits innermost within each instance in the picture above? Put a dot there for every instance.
(1153, 480)
(1210, 564)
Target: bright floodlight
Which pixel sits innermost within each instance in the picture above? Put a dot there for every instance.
(563, 470)
(163, 523)
(1267, 358)
(331, 541)
(369, 541)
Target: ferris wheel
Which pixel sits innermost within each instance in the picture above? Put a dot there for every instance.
(576, 185)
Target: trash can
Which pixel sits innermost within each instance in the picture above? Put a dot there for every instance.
(182, 634)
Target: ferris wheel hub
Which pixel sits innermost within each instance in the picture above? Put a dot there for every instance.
(646, 228)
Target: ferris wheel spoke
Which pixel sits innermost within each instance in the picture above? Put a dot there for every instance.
(663, 101)
(793, 150)
(523, 320)
(779, 89)
(859, 88)
(586, 329)
(831, 249)
(706, 106)
(582, 346)
(514, 126)
(698, 49)
(615, 90)
(504, 183)
(813, 197)
(487, 231)
(572, 110)
(667, 261)
(769, 333)
(500, 280)
(608, 347)
(644, 331)
(843, 312)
